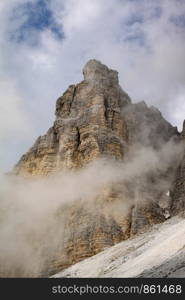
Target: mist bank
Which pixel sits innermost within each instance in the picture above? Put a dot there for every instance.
(33, 212)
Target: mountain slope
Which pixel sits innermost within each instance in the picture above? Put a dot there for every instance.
(159, 252)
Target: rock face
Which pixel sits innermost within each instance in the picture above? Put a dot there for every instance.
(146, 126)
(178, 189)
(88, 124)
(94, 119)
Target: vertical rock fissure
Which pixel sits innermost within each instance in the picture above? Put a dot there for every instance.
(55, 140)
(78, 137)
(72, 99)
(130, 221)
(112, 121)
(106, 109)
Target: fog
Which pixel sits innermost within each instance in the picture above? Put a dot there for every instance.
(33, 212)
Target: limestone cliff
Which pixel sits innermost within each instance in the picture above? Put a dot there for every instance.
(94, 119)
(88, 124)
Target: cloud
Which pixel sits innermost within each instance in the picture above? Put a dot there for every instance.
(143, 40)
(34, 213)
(15, 121)
(13, 117)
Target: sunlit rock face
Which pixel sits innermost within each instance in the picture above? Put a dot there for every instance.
(88, 124)
(95, 119)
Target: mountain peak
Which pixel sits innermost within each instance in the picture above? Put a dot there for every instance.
(96, 119)
(95, 71)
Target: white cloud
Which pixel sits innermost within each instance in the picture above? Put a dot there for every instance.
(13, 116)
(15, 124)
(138, 38)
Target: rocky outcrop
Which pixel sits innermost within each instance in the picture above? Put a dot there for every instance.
(88, 124)
(94, 119)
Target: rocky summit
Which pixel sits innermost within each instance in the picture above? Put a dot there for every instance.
(88, 124)
(96, 119)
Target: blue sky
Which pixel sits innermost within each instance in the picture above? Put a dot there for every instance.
(44, 45)
(38, 17)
